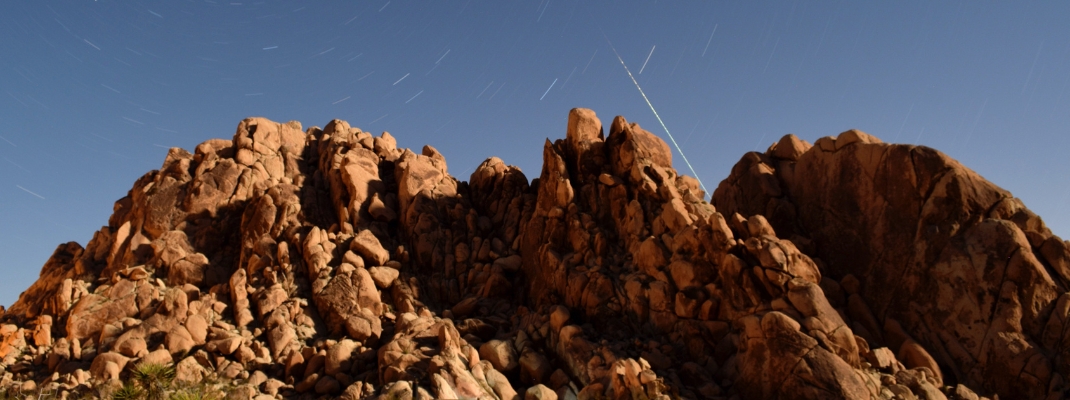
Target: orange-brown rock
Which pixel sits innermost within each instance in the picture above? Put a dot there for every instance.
(331, 263)
(968, 272)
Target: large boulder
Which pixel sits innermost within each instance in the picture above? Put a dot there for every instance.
(958, 261)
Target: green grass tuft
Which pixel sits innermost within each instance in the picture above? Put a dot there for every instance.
(154, 379)
(128, 391)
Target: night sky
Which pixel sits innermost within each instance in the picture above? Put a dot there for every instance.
(93, 93)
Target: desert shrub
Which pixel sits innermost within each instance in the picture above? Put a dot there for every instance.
(154, 379)
(148, 381)
(16, 393)
(128, 391)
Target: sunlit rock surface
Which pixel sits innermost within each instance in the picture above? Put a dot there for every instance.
(328, 263)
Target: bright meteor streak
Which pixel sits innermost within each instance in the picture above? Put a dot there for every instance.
(655, 111)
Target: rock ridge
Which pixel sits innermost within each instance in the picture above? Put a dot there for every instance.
(329, 263)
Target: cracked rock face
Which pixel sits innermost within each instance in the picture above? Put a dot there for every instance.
(328, 263)
(945, 269)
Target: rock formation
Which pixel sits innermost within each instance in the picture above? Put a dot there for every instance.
(328, 263)
(925, 257)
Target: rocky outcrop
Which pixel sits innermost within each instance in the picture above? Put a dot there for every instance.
(939, 265)
(330, 263)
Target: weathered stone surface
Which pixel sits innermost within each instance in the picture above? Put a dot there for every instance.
(367, 245)
(40, 297)
(540, 392)
(534, 367)
(197, 328)
(42, 333)
(158, 357)
(106, 366)
(339, 356)
(776, 351)
(225, 346)
(790, 147)
(500, 354)
(189, 370)
(329, 262)
(131, 343)
(383, 276)
(965, 267)
(348, 297)
(881, 358)
(94, 311)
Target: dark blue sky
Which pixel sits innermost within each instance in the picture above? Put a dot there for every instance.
(94, 92)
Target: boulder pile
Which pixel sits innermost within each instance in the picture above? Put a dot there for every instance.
(329, 263)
